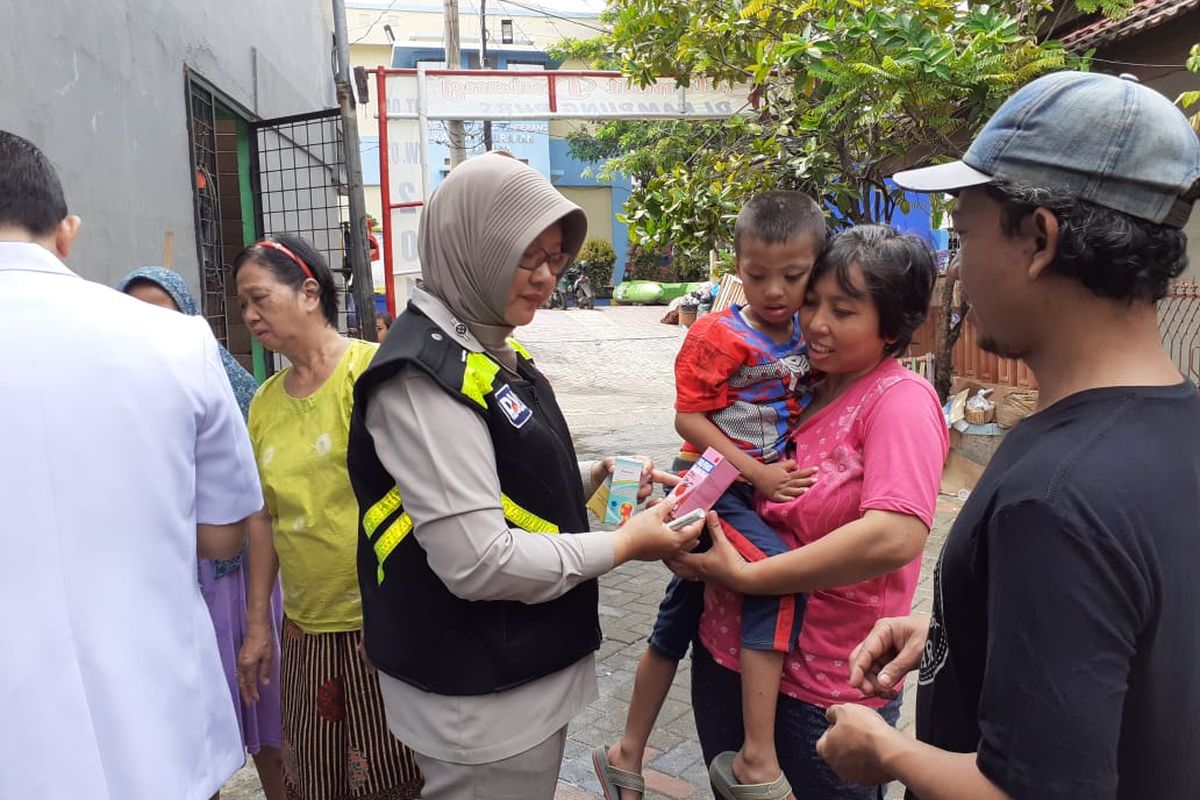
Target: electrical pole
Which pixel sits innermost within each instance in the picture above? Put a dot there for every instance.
(487, 123)
(454, 128)
(360, 259)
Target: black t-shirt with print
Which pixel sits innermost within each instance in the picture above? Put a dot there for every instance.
(1065, 641)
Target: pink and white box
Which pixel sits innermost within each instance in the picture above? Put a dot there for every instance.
(704, 483)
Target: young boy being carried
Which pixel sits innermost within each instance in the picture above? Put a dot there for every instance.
(741, 379)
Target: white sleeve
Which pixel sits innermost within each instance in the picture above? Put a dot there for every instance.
(440, 455)
(585, 478)
(227, 487)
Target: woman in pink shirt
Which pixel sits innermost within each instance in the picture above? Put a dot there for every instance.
(876, 433)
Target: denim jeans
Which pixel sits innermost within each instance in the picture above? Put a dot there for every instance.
(717, 706)
(768, 622)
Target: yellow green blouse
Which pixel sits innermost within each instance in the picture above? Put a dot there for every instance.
(300, 445)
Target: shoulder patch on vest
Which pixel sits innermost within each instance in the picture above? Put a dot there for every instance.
(517, 412)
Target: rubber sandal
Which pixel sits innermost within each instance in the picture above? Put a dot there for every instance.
(613, 779)
(724, 781)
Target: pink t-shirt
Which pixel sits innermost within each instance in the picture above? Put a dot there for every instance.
(880, 446)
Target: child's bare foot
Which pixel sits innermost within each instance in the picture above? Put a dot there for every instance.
(757, 768)
(622, 757)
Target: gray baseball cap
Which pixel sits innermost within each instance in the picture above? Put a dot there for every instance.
(1103, 139)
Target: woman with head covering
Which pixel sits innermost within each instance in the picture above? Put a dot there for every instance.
(223, 583)
(163, 287)
(480, 617)
(336, 743)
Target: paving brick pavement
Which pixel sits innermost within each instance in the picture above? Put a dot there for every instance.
(612, 372)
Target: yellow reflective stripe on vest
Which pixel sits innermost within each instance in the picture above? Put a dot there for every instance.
(526, 520)
(377, 513)
(395, 533)
(391, 537)
(478, 376)
(519, 348)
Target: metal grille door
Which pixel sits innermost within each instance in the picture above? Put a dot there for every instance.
(202, 132)
(1179, 325)
(300, 186)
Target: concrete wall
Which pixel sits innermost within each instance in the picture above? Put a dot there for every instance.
(100, 87)
(596, 202)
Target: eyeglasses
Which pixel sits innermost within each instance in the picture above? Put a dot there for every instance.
(555, 262)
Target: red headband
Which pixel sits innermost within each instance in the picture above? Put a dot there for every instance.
(277, 246)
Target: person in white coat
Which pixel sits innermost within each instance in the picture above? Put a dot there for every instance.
(124, 457)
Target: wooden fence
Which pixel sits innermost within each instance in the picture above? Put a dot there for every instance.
(971, 361)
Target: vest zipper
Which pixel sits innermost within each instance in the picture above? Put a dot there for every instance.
(537, 403)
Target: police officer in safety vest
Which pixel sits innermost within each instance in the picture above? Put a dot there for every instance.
(477, 569)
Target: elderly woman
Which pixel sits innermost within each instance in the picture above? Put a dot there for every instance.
(336, 744)
(876, 433)
(223, 583)
(475, 562)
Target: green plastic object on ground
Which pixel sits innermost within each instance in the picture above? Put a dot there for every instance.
(650, 292)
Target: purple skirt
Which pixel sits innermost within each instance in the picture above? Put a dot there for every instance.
(226, 597)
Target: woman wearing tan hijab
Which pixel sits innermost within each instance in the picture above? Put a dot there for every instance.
(481, 618)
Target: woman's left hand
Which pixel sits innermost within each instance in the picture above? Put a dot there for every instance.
(853, 742)
(722, 563)
(650, 475)
(254, 660)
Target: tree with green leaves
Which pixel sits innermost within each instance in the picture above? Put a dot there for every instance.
(1190, 101)
(839, 95)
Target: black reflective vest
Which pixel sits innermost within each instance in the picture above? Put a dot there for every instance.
(416, 630)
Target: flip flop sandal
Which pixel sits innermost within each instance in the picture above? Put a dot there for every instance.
(727, 786)
(613, 779)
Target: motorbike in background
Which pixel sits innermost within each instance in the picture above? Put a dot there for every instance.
(574, 285)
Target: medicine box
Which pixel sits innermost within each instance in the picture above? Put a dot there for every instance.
(704, 483)
(623, 491)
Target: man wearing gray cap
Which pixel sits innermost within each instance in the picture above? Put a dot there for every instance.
(1062, 659)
